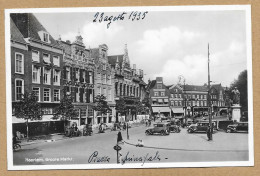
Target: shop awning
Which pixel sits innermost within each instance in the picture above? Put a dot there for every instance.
(45, 118)
(165, 100)
(154, 99)
(177, 110)
(160, 100)
(161, 109)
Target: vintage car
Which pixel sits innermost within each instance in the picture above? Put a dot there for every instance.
(201, 127)
(162, 128)
(237, 127)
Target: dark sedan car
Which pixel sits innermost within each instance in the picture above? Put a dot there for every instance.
(237, 127)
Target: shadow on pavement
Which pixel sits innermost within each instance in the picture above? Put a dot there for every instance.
(28, 157)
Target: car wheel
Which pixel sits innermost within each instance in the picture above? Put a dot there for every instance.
(147, 133)
(189, 131)
(162, 133)
(228, 130)
(174, 130)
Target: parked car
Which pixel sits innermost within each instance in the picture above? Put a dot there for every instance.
(237, 127)
(162, 128)
(174, 127)
(200, 127)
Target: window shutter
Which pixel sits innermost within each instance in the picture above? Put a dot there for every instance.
(64, 72)
(81, 94)
(73, 94)
(88, 95)
(81, 75)
(87, 76)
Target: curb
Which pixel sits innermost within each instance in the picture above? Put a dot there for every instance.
(54, 140)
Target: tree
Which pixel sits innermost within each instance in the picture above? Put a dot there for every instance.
(65, 109)
(121, 106)
(101, 104)
(147, 103)
(241, 84)
(28, 108)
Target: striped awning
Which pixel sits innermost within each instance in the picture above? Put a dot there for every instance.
(161, 109)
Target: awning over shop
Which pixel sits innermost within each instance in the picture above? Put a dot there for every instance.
(165, 100)
(177, 110)
(154, 99)
(45, 118)
(161, 109)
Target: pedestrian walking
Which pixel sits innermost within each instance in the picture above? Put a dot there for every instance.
(208, 132)
(119, 137)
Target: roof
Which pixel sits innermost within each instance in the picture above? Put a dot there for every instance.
(151, 84)
(66, 46)
(29, 26)
(195, 88)
(15, 33)
(218, 87)
(113, 59)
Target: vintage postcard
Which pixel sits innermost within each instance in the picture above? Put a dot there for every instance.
(129, 87)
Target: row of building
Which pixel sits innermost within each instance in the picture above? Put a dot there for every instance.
(186, 100)
(50, 68)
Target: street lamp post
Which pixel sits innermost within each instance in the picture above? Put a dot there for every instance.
(209, 101)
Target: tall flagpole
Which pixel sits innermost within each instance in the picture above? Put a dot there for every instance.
(209, 100)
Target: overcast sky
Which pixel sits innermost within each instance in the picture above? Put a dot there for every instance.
(166, 44)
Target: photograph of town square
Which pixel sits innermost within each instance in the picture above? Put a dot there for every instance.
(137, 91)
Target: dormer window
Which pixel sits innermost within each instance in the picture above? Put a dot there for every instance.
(46, 37)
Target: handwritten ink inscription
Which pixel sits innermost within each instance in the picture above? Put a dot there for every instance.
(133, 16)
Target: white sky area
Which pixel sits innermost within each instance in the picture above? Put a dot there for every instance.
(166, 44)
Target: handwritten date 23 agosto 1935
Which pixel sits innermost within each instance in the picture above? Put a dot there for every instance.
(133, 16)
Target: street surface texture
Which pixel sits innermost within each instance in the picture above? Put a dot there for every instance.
(98, 149)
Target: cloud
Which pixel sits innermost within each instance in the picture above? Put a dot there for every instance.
(95, 34)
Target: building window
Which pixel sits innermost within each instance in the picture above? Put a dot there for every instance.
(91, 96)
(159, 86)
(83, 76)
(77, 94)
(47, 76)
(35, 56)
(77, 74)
(99, 77)
(155, 94)
(171, 95)
(56, 60)
(36, 73)
(176, 90)
(56, 77)
(84, 96)
(90, 78)
(36, 91)
(46, 95)
(19, 89)
(105, 92)
(162, 94)
(193, 96)
(68, 73)
(179, 103)
(198, 96)
(175, 95)
(56, 95)
(109, 97)
(46, 37)
(46, 58)
(205, 96)
(19, 63)
(104, 78)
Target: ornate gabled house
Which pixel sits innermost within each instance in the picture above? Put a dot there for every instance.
(128, 84)
(78, 78)
(104, 81)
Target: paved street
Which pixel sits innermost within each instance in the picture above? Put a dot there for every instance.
(177, 147)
